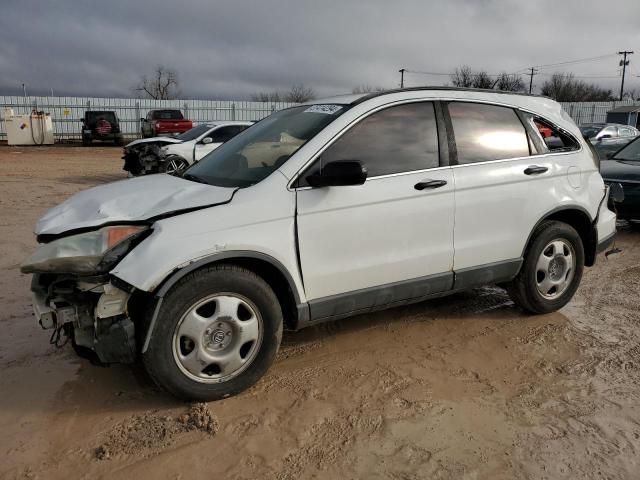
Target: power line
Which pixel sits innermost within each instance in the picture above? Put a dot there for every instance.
(580, 60)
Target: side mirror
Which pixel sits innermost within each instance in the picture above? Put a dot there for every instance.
(207, 140)
(617, 192)
(142, 119)
(339, 173)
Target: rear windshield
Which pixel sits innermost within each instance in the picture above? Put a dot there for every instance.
(93, 117)
(630, 153)
(193, 133)
(253, 154)
(167, 115)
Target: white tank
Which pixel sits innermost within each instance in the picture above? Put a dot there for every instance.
(35, 128)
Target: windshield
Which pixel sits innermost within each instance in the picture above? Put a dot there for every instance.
(193, 133)
(631, 152)
(251, 156)
(589, 131)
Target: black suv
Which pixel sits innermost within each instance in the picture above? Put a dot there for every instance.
(101, 125)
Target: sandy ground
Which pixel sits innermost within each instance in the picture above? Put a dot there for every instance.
(464, 387)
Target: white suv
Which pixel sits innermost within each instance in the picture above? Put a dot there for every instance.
(318, 212)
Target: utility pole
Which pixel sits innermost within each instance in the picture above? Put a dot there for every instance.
(623, 63)
(402, 70)
(532, 72)
(24, 90)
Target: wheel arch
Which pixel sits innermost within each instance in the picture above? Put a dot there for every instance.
(580, 219)
(263, 265)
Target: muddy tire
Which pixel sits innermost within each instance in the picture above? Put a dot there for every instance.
(217, 332)
(552, 269)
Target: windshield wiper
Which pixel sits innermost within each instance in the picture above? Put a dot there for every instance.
(195, 178)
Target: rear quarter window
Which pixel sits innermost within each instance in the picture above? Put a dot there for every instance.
(552, 138)
(167, 115)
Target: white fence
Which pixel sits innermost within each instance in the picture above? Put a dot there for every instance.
(593, 112)
(66, 112)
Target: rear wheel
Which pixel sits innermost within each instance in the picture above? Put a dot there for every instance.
(217, 332)
(551, 271)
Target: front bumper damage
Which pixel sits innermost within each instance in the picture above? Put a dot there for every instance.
(92, 312)
(144, 159)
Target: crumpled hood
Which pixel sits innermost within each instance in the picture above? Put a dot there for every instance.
(135, 199)
(140, 141)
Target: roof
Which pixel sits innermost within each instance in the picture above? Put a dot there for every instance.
(626, 109)
(446, 89)
(356, 98)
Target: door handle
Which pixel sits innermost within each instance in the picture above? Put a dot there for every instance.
(535, 170)
(429, 184)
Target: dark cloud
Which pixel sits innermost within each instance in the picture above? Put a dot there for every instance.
(225, 49)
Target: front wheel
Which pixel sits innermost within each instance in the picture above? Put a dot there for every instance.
(217, 332)
(175, 165)
(551, 271)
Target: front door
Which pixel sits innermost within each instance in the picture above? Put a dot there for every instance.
(387, 240)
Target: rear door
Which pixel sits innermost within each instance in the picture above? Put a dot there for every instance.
(389, 239)
(506, 180)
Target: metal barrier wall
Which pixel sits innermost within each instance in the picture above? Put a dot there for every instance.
(66, 112)
(592, 112)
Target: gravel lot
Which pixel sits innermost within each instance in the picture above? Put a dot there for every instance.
(461, 387)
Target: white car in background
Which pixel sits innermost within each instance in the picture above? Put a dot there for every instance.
(204, 139)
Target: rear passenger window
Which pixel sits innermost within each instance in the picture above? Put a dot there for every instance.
(487, 132)
(398, 139)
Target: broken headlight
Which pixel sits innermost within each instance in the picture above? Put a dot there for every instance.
(88, 253)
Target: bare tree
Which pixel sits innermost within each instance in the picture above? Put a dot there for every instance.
(563, 87)
(267, 97)
(482, 80)
(509, 83)
(299, 94)
(365, 88)
(162, 85)
(463, 77)
(632, 94)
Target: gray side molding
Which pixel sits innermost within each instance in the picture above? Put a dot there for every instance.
(176, 275)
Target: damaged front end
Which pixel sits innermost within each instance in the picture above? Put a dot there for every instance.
(92, 312)
(75, 296)
(144, 158)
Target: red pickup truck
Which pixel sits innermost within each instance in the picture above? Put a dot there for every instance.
(164, 122)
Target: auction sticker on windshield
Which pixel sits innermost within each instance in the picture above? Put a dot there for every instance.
(328, 109)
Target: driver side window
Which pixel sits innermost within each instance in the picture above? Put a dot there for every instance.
(397, 139)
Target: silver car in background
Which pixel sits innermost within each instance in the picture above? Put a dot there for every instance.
(608, 138)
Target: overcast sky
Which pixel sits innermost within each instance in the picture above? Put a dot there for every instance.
(231, 49)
